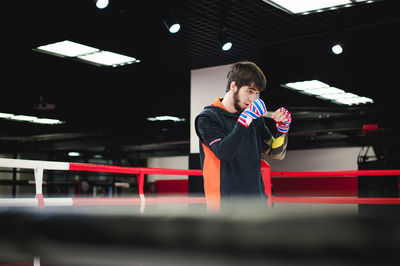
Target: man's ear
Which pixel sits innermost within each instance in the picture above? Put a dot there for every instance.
(233, 87)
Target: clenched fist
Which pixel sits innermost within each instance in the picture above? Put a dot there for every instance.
(283, 119)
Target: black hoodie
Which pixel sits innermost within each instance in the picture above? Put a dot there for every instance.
(230, 154)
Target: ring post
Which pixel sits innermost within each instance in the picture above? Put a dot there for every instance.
(141, 191)
(38, 172)
(266, 175)
(36, 261)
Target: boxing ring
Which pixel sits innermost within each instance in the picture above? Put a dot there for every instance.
(39, 167)
(246, 237)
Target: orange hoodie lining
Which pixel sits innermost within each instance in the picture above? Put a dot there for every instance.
(217, 102)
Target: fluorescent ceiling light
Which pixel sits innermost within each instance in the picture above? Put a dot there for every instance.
(324, 91)
(307, 6)
(74, 154)
(336, 96)
(67, 48)
(24, 118)
(355, 100)
(306, 85)
(31, 119)
(339, 96)
(166, 118)
(5, 115)
(107, 58)
(86, 54)
(47, 121)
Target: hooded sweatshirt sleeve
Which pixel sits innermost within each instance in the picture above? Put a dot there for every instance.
(275, 147)
(224, 146)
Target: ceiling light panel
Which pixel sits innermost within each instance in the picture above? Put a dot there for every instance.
(306, 85)
(47, 121)
(86, 54)
(107, 58)
(67, 48)
(6, 115)
(31, 119)
(324, 91)
(166, 118)
(309, 6)
(336, 96)
(24, 118)
(355, 100)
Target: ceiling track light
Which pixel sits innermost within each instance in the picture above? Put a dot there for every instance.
(337, 48)
(171, 23)
(224, 40)
(101, 4)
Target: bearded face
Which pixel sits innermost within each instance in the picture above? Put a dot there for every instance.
(236, 103)
(243, 96)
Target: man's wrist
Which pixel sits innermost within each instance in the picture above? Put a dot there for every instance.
(245, 120)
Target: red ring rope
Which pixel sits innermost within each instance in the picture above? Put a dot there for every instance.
(335, 200)
(349, 173)
(131, 170)
(39, 166)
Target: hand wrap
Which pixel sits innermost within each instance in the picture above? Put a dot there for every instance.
(255, 110)
(283, 127)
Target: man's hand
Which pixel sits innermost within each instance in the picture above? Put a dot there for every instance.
(255, 110)
(283, 119)
(258, 106)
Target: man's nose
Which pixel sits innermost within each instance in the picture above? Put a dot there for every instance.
(253, 98)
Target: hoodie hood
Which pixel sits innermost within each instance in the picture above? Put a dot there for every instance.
(217, 106)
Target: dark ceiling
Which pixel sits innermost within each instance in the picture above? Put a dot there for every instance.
(106, 108)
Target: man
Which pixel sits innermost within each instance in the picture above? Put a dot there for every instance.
(233, 136)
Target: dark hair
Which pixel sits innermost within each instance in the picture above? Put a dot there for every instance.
(245, 73)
